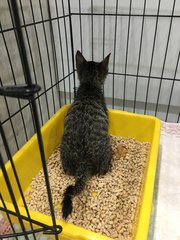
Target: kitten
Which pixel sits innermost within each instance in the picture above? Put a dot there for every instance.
(85, 146)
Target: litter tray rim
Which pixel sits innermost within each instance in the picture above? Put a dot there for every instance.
(147, 195)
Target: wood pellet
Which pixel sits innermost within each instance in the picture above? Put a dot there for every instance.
(109, 204)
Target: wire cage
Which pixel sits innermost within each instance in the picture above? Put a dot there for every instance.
(38, 42)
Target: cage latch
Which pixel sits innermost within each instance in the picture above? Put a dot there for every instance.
(20, 91)
(52, 230)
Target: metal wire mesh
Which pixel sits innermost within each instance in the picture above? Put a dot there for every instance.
(144, 75)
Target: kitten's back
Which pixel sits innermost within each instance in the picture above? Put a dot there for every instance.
(85, 147)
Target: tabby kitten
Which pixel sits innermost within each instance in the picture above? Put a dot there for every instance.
(85, 146)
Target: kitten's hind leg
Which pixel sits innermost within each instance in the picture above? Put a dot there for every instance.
(69, 172)
(105, 165)
(68, 166)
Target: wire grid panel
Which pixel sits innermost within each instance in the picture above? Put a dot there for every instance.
(144, 44)
(141, 35)
(26, 93)
(46, 35)
(143, 75)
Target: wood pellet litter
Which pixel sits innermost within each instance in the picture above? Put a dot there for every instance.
(109, 203)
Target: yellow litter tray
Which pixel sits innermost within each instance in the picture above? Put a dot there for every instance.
(28, 163)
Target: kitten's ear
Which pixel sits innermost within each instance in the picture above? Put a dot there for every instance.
(105, 62)
(103, 68)
(79, 59)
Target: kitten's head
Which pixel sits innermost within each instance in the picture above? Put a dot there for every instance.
(91, 72)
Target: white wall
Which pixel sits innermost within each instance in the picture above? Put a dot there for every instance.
(133, 51)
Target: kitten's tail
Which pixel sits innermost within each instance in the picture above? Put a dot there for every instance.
(70, 192)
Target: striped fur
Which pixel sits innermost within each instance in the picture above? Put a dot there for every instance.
(85, 146)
